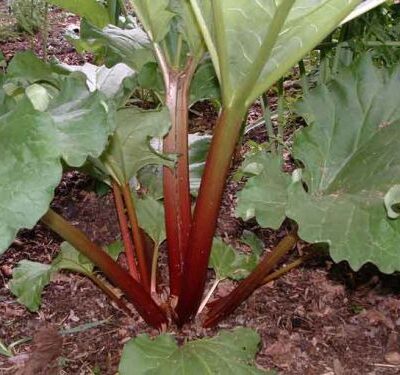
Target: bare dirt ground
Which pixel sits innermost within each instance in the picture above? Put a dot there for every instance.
(320, 319)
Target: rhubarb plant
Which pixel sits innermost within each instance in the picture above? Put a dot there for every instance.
(50, 118)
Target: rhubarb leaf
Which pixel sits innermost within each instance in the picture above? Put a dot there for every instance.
(30, 278)
(252, 45)
(229, 353)
(130, 148)
(93, 10)
(351, 161)
(112, 82)
(151, 218)
(83, 119)
(30, 169)
(267, 205)
(155, 16)
(70, 259)
(28, 282)
(229, 263)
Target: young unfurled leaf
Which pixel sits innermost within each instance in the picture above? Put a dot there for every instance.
(204, 84)
(28, 282)
(151, 218)
(229, 263)
(392, 202)
(253, 241)
(70, 259)
(229, 353)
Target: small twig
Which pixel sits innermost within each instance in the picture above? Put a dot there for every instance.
(208, 296)
(126, 237)
(137, 236)
(153, 284)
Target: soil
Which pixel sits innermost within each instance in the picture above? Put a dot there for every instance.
(321, 318)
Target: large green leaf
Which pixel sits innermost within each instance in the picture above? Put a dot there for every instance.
(28, 282)
(130, 149)
(253, 44)
(30, 278)
(230, 353)
(30, 169)
(25, 66)
(83, 119)
(93, 10)
(69, 122)
(351, 159)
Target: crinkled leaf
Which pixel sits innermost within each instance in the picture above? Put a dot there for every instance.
(130, 149)
(28, 282)
(30, 169)
(83, 119)
(151, 218)
(392, 202)
(109, 81)
(130, 46)
(253, 44)
(267, 205)
(38, 96)
(230, 353)
(93, 10)
(229, 263)
(155, 16)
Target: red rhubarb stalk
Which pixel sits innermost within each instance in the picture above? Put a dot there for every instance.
(177, 201)
(135, 292)
(223, 307)
(124, 228)
(206, 212)
(137, 235)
